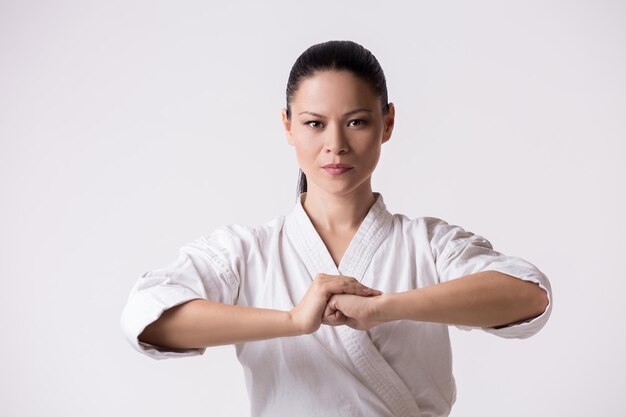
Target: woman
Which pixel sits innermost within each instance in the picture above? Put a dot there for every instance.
(339, 307)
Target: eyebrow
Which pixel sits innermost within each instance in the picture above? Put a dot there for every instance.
(345, 114)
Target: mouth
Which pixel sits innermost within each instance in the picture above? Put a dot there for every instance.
(337, 166)
(337, 170)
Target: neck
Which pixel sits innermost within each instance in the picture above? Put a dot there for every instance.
(336, 213)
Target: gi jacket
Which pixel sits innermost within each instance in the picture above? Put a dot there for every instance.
(400, 368)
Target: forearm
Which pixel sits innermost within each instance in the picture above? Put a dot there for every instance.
(484, 299)
(202, 323)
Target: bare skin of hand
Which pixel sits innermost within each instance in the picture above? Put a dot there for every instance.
(355, 311)
(308, 314)
(483, 299)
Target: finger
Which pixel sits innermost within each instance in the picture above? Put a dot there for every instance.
(363, 291)
(334, 319)
(328, 311)
(347, 286)
(352, 323)
(339, 318)
(360, 287)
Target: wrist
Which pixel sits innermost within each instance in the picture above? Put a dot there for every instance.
(293, 326)
(383, 308)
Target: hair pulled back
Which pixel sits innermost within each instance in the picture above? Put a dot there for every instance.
(336, 55)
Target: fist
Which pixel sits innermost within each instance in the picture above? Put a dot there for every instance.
(358, 312)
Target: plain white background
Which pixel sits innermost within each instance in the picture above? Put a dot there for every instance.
(130, 128)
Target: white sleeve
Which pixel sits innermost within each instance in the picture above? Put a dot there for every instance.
(206, 268)
(459, 253)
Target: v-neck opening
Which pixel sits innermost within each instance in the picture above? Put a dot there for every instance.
(370, 233)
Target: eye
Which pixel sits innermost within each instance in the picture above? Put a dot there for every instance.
(313, 121)
(359, 122)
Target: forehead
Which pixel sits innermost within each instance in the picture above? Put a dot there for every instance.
(330, 89)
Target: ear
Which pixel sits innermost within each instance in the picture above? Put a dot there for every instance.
(389, 121)
(287, 126)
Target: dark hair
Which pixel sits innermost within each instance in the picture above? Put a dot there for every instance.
(336, 55)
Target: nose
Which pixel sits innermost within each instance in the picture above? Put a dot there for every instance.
(336, 140)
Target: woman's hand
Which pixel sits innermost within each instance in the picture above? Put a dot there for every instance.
(351, 310)
(307, 315)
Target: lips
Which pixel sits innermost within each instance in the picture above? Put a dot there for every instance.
(337, 169)
(337, 166)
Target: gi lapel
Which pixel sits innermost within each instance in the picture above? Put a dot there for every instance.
(376, 372)
(370, 234)
(360, 354)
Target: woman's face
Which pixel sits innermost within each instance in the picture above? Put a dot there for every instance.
(336, 118)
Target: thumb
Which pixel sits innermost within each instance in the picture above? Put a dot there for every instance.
(336, 319)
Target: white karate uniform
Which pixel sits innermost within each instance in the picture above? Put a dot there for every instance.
(400, 368)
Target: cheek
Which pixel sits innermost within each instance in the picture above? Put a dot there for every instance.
(304, 141)
(306, 151)
(373, 156)
(367, 149)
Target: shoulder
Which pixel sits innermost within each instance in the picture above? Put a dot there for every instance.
(425, 226)
(231, 247)
(439, 234)
(238, 238)
(252, 233)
